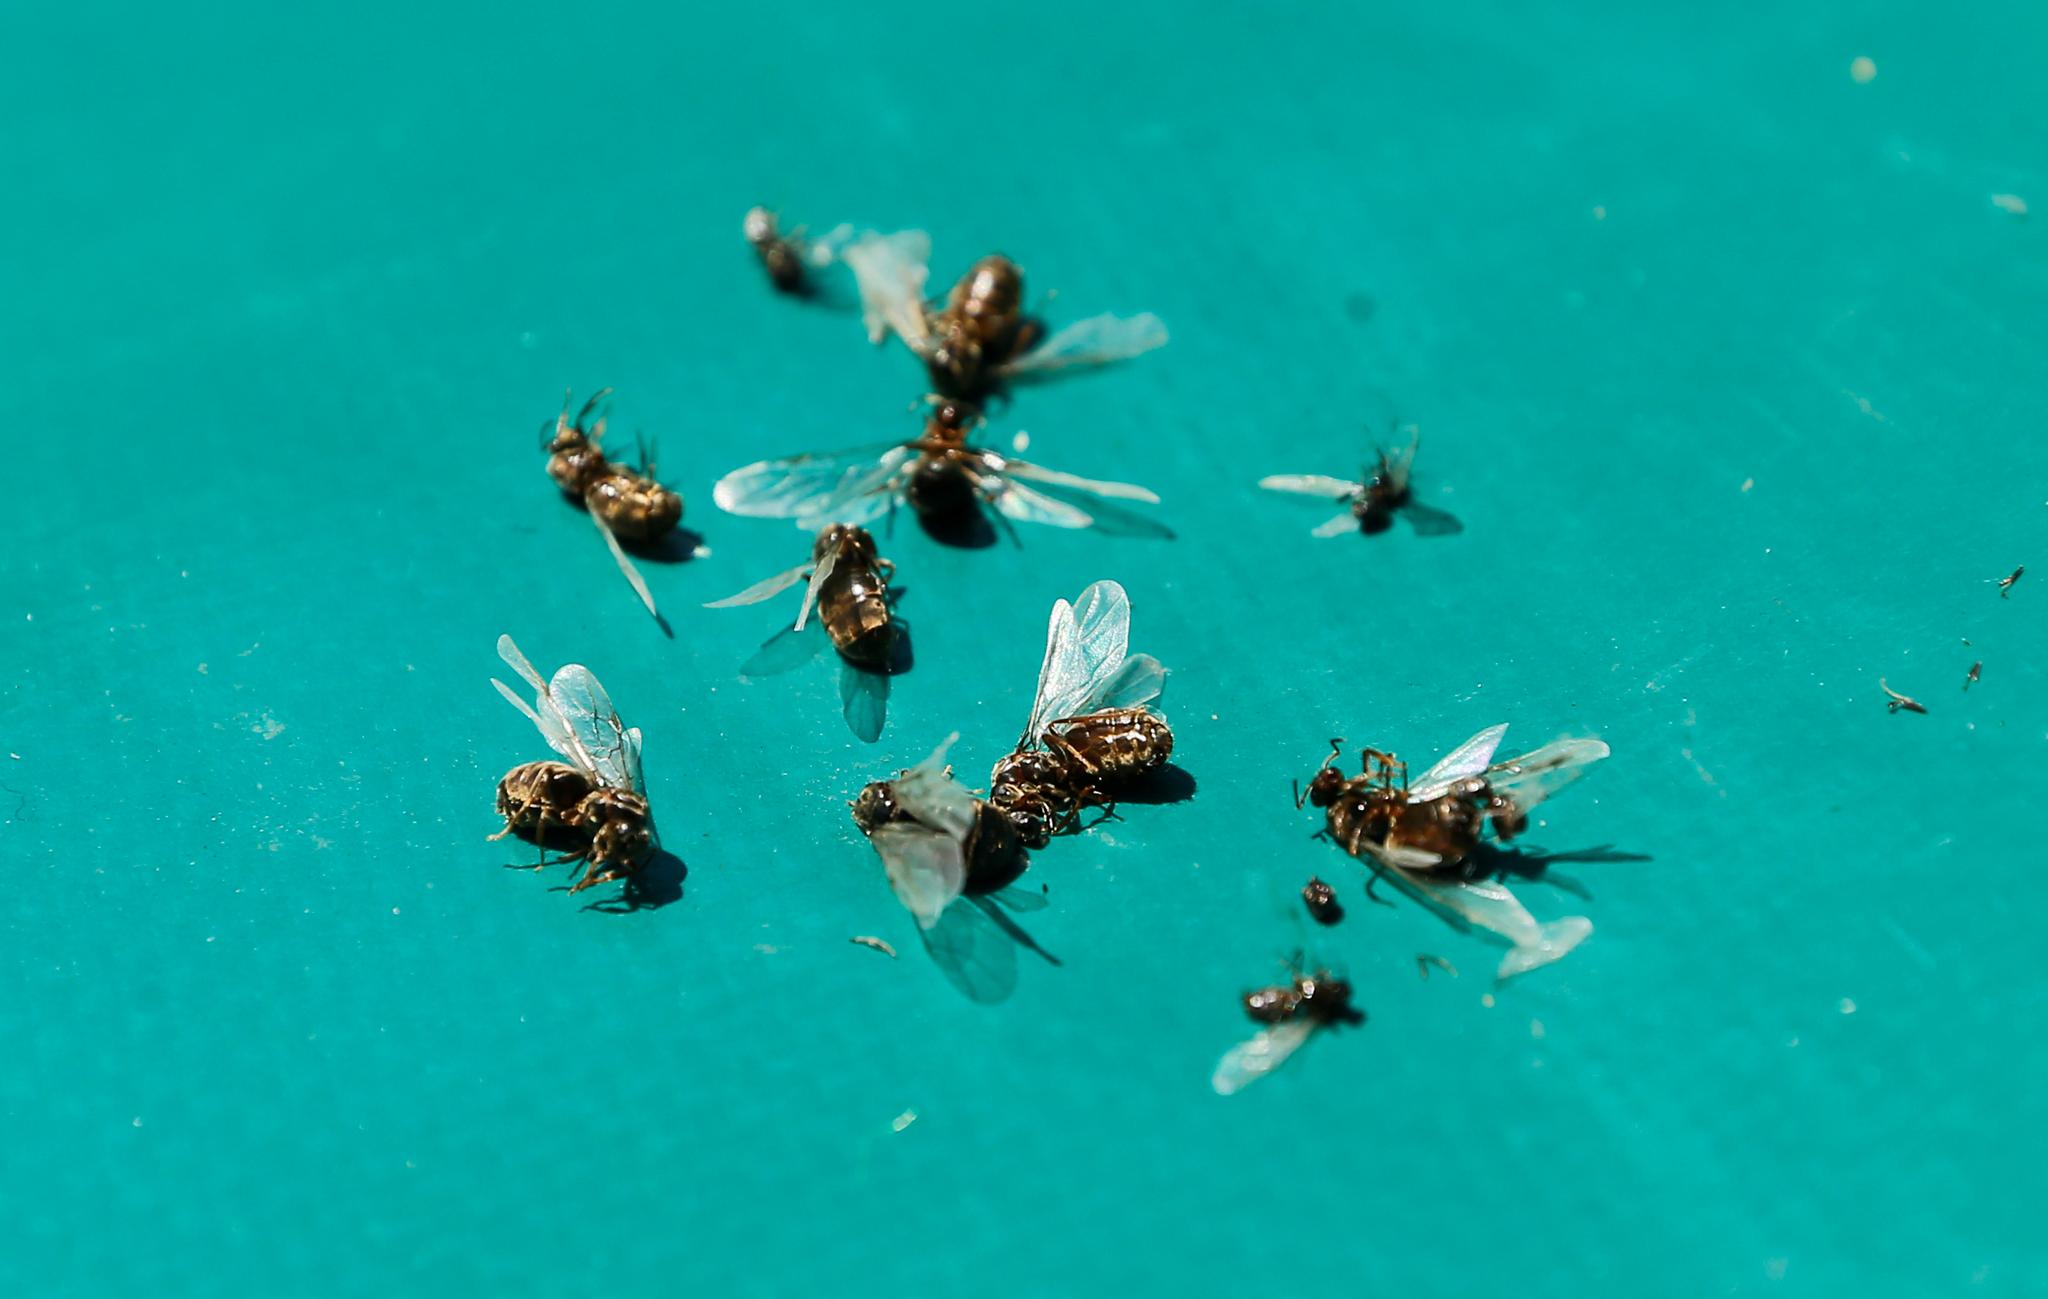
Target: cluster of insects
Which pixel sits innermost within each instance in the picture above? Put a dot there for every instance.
(956, 858)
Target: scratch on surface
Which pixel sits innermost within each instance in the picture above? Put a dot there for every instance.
(1705, 775)
(1913, 949)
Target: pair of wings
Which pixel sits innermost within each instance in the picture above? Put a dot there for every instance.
(925, 856)
(577, 719)
(1394, 468)
(891, 271)
(861, 485)
(1087, 665)
(819, 572)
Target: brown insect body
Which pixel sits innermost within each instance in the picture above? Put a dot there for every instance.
(541, 803)
(781, 256)
(1086, 761)
(621, 836)
(993, 850)
(1318, 995)
(981, 326)
(942, 485)
(1321, 901)
(1373, 807)
(1386, 492)
(853, 601)
(632, 504)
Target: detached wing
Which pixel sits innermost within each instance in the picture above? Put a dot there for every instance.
(1265, 1051)
(1468, 759)
(1098, 340)
(890, 271)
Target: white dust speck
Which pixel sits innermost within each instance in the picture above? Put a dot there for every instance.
(1487, 1001)
(1021, 441)
(394, 911)
(1863, 70)
(1774, 1268)
(1847, 1007)
(209, 938)
(269, 728)
(1748, 483)
(1536, 1029)
(2012, 203)
(766, 949)
(903, 1120)
(1599, 211)
(136, 1122)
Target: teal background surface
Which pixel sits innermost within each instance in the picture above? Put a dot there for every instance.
(1729, 364)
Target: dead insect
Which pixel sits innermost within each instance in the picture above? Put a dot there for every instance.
(1422, 835)
(1424, 960)
(2005, 584)
(939, 475)
(880, 945)
(849, 589)
(623, 502)
(1976, 674)
(1291, 1013)
(611, 829)
(951, 859)
(1899, 701)
(1092, 732)
(789, 258)
(1370, 506)
(1321, 901)
(981, 339)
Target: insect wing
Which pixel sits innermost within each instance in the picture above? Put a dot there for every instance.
(1335, 489)
(1091, 486)
(890, 272)
(865, 496)
(764, 589)
(925, 867)
(863, 701)
(632, 574)
(595, 724)
(1533, 777)
(1016, 501)
(1098, 340)
(1085, 648)
(1260, 1054)
(1468, 759)
(1337, 527)
(974, 954)
(819, 576)
(929, 793)
(793, 486)
(545, 713)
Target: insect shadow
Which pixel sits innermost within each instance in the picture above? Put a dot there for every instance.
(1492, 860)
(1170, 783)
(650, 888)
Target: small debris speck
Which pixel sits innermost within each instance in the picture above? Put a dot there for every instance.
(903, 1120)
(1863, 70)
(136, 1122)
(2012, 203)
(1847, 1007)
(880, 945)
(1748, 483)
(1599, 211)
(1487, 1001)
(1536, 1029)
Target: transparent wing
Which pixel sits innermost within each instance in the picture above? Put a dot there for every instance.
(890, 272)
(764, 589)
(819, 576)
(792, 485)
(863, 701)
(631, 759)
(864, 496)
(1054, 478)
(1098, 340)
(633, 578)
(1016, 501)
(1311, 485)
(1337, 527)
(595, 723)
(925, 867)
(1533, 777)
(930, 794)
(1398, 466)
(1259, 1055)
(1468, 759)
(545, 713)
(1085, 648)
(1489, 906)
(785, 651)
(828, 247)
(974, 954)
(1136, 683)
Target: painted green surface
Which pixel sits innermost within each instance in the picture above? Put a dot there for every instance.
(286, 297)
